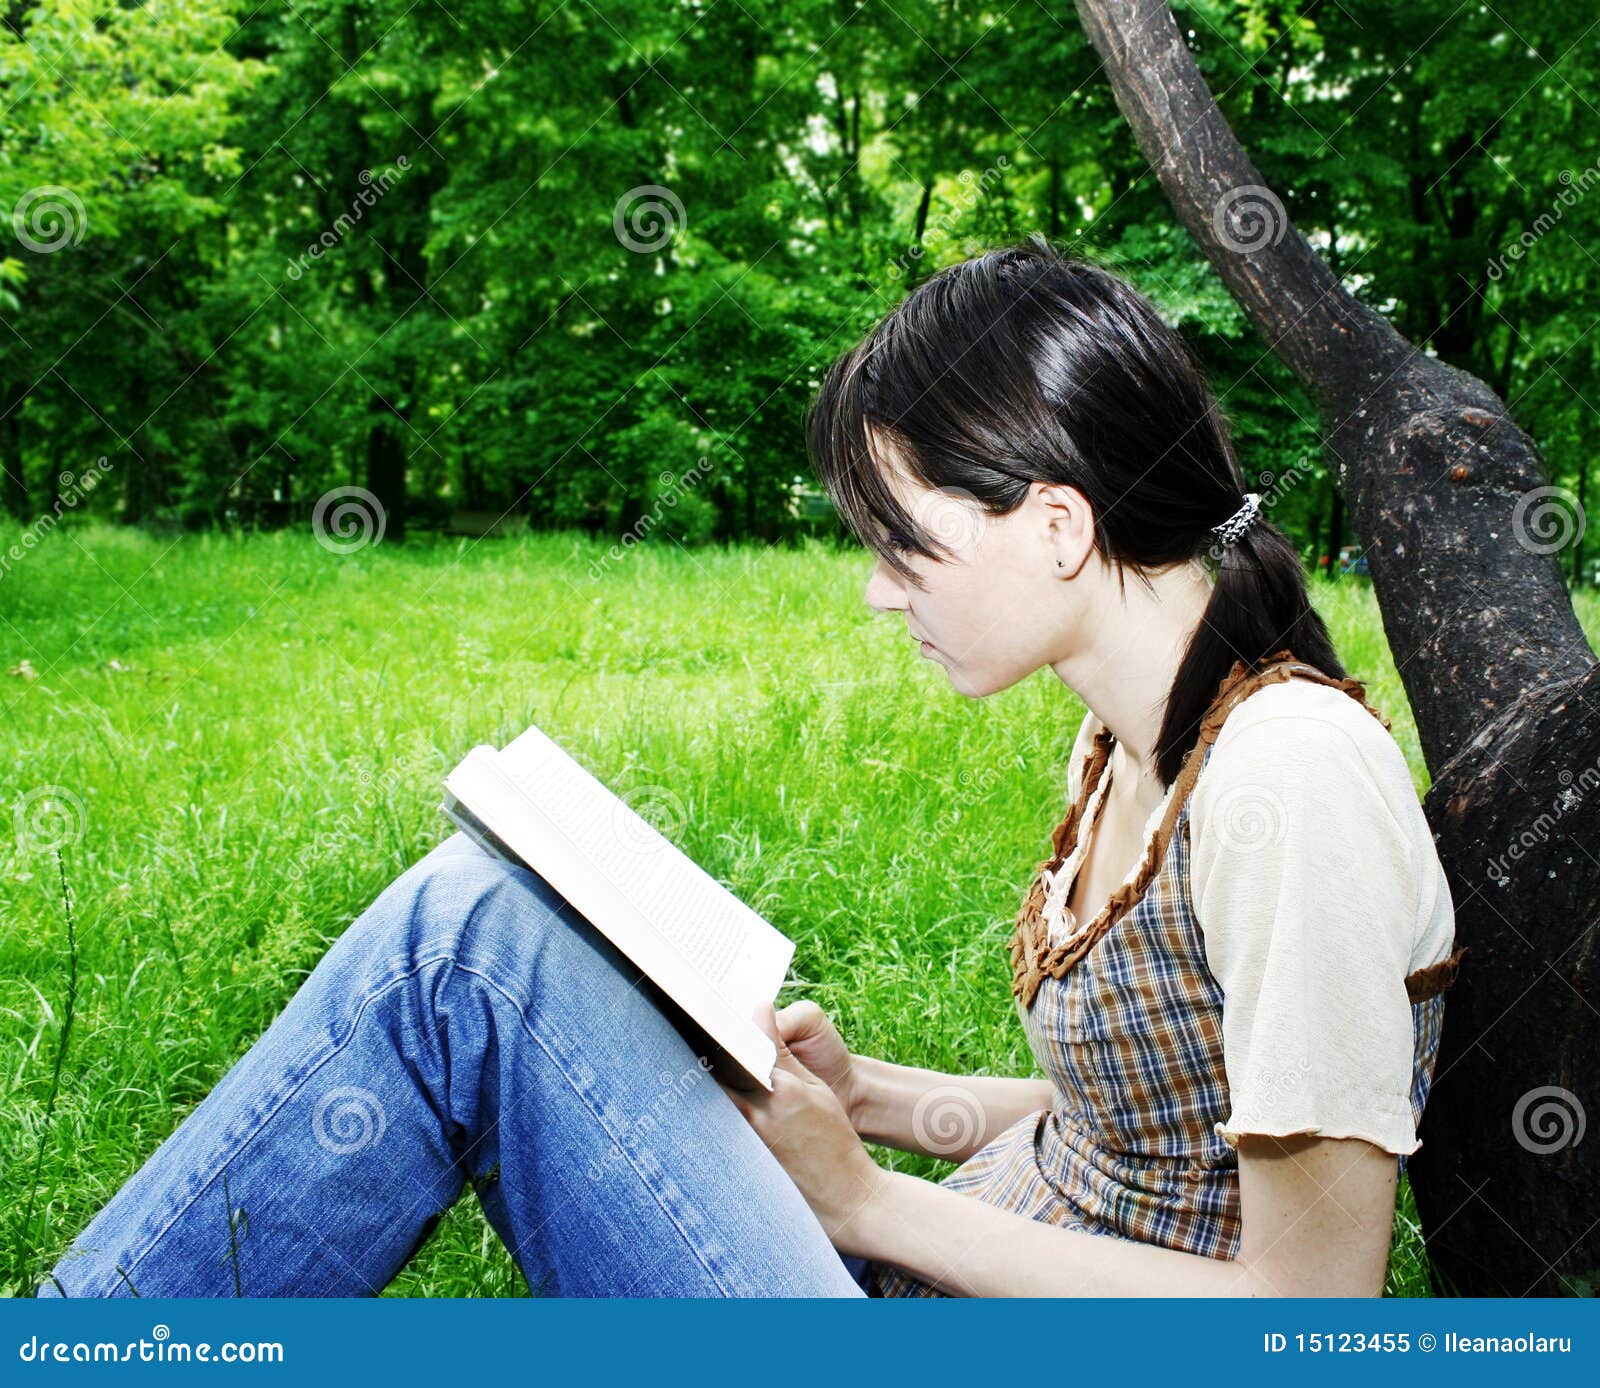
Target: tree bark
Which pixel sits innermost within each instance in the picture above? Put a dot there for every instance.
(1583, 510)
(386, 465)
(1335, 529)
(11, 463)
(1445, 492)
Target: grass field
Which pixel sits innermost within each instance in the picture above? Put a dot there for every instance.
(251, 732)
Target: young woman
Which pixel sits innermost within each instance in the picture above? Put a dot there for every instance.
(1231, 967)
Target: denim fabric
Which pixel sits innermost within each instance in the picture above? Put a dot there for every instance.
(469, 1024)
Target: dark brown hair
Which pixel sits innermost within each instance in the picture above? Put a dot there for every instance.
(1024, 365)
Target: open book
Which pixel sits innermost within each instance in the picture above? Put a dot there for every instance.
(712, 960)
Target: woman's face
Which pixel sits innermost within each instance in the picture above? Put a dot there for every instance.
(997, 609)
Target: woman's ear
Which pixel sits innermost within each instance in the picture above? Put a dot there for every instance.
(1066, 521)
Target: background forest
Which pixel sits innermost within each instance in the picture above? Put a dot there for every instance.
(583, 263)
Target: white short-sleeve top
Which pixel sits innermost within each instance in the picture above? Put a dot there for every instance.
(1318, 888)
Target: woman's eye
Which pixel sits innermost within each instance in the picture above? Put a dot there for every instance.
(896, 541)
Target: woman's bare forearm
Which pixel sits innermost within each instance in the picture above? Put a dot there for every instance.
(939, 1115)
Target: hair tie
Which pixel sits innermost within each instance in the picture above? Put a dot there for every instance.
(1240, 521)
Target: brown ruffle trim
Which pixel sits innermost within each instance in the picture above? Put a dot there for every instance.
(1424, 983)
(1033, 957)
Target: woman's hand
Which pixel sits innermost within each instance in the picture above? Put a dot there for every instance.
(815, 1042)
(806, 1127)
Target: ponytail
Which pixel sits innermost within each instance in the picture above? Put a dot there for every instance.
(1259, 605)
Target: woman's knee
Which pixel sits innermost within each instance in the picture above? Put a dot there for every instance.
(462, 904)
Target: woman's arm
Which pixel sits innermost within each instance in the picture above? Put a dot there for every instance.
(938, 1115)
(1316, 1212)
(924, 1111)
(1317, 1216)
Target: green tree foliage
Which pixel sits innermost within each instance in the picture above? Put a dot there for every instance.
(554, 259)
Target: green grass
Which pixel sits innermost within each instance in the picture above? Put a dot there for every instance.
(255, 730)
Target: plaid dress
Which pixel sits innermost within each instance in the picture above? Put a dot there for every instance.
(1127, 1024)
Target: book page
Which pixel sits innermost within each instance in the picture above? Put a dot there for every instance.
(484, 801)
(736, 951)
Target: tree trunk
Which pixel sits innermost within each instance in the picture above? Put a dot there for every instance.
(386, 465)
(1335, 529)
(1583, 510)
(919, 252)
(16, 480)
(1446, 494)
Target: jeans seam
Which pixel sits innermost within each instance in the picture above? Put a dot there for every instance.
(586, 1099)
(267, 1115)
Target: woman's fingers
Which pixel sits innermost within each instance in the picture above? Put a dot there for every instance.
(801, 1019)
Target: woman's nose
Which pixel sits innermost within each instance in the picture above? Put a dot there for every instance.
(885, 591)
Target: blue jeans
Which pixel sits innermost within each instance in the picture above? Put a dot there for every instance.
(469, 1024)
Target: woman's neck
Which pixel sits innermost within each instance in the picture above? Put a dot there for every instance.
(1124, 672)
